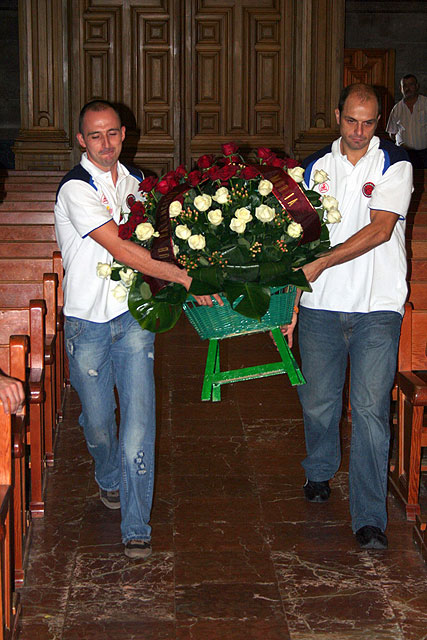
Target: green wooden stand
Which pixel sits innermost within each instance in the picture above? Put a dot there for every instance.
(214, 377)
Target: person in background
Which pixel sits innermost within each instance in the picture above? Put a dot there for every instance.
(11, 394)
(355, 310)
(407, 124)
(105, 345)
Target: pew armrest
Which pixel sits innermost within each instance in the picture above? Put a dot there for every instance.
(413, 386)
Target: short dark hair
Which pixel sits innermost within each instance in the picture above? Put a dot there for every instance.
(409, 75)
(96, 105)
(364, 91)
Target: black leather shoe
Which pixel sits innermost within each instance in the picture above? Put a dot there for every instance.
(371, 538)
(317, 491)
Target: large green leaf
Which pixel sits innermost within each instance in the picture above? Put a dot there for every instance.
(206, 280)
(271, 270)
(242, 273)
(152, 314)
(249, 299)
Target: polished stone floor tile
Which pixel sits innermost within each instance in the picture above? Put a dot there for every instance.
(276, 629)
(238, 553)
(192, 568)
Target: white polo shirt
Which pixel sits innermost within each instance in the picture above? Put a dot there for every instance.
(382, 180)
(410, 128)
(87, 199)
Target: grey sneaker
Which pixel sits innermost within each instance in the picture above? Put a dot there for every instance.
(138, 549)
(111, 499)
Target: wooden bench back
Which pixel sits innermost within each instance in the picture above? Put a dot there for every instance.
(413, 340)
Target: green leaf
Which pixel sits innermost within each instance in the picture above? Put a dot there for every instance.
(206, 280)
(151, 314)
(115, 275)
(252, 299)
(242, 273)
(236, 254)
(272, 270)
(298, 279)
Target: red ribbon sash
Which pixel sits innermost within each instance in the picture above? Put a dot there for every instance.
(294, 201)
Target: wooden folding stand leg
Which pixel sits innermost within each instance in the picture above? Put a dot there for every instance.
(214, 377)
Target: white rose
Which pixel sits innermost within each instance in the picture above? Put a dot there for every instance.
(296, 173)
(175, 248)
(120, 292)
(264, 213)
(202, 203)
(320, 176)
(215, 217)
(329, 202)
(197, 242)
(127, 276)
(237, 225)
(103, 270)
(243, 214)
(294, 230)
(333, 216)
(265, 187)
(175, 208)
(183, 232)
(144, 231)
(221, 195)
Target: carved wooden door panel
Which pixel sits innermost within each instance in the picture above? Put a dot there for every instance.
(127, 51)
(237, 76)
(375, 67)
(189, 74)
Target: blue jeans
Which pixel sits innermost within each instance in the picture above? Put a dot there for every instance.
(103, 355)
(326, 339)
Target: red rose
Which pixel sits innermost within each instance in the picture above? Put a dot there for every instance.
(290, 163)
(180, 172)
(136, 220)
(204, 162)
(125, 231)
(148, 184)
(264, 153)
(229, 148)
(163, 187)
(137, 208)
(213, 172)
(277, 162)
(249, 172)
(227, 171)
(194, 177)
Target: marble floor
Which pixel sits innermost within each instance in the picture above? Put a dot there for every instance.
(238, 554)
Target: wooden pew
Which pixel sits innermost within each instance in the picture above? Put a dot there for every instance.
(23, 279)
(6, 519)
(15, 294)
(14, 362)
(30, 321)
(411, 415)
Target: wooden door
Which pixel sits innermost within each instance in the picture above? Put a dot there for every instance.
(375, 67)
(188, 74)
(128, 51)
(237, 75)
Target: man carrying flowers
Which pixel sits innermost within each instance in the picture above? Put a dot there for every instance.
(105, 345)
(355, 309)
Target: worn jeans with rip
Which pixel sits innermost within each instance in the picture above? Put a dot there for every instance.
(326, 339)
(117, 354)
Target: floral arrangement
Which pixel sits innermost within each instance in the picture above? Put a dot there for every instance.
(238, 228)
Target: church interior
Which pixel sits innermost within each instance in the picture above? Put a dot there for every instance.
(238, 553)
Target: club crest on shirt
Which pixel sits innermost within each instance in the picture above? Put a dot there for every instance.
(324, 187)
(367, 189)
